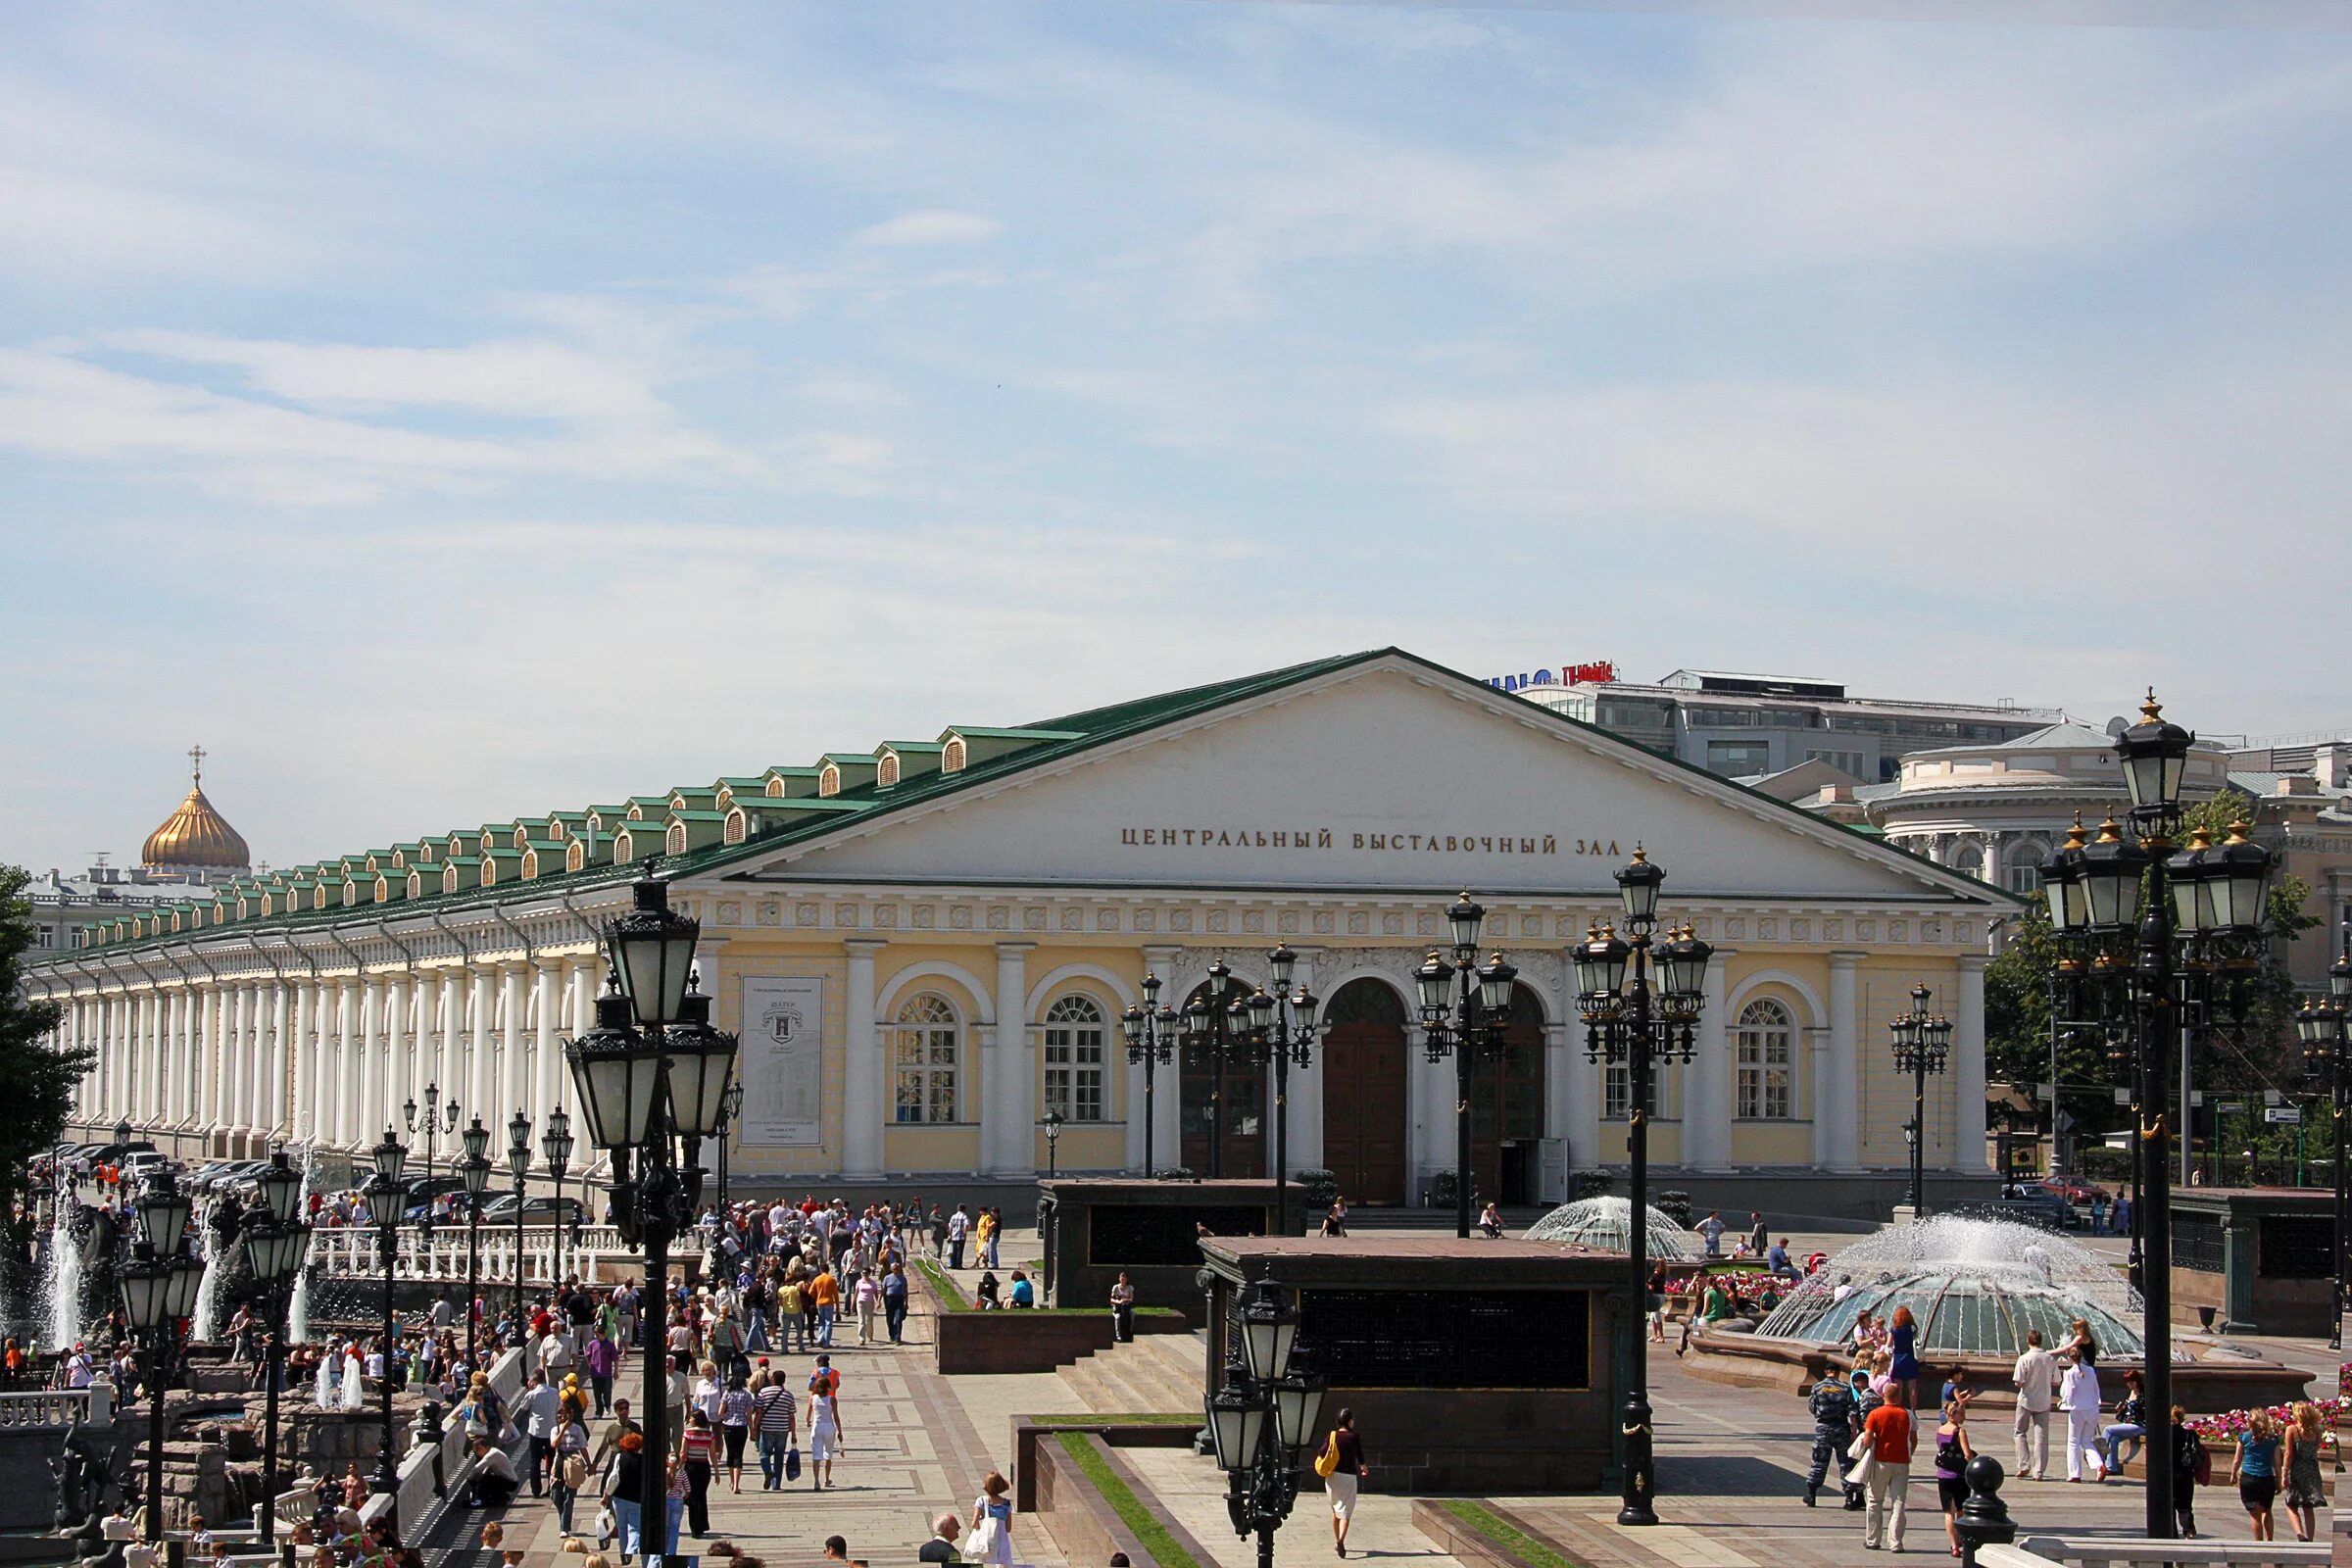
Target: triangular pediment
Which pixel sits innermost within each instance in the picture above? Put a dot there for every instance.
(1389, 773)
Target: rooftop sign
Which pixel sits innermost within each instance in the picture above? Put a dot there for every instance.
(1569, 675)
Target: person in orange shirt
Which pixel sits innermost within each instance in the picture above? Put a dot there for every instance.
(825, 1292)
(1891, 1437)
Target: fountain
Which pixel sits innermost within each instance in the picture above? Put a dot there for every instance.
(62, 1263)
(298, 1306)
(1603, 1225)
(1974, 1288)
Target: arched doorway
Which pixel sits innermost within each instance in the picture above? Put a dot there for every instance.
(1364, 1092)
(1504, 1127)
(1244, 1151)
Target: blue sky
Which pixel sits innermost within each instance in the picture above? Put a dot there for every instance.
(443, 412)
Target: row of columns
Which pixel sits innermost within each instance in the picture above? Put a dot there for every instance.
(332, 1058)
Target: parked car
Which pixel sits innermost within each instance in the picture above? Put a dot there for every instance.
(140, 1162)
(2070, 1188)
(537, 1210)
(2030, 1204)
(424, 1189)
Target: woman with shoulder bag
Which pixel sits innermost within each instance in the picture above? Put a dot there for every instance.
(571, 1468)
(991, 1538)
(1344, 1454)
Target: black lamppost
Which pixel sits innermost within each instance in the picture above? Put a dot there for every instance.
(651, 1076)
(434, 1128)
(1051, 1122)
(2325, 1028)
(555, 1146)
(1464, 1007)
(1210, 1023)
(474, 1171)
(391, 1156)
(275, 1244)
(1262, 1419)
(730, 1111)
(159, 1292)
(518, 1163)
(1922, 1043)
(2151, 945)
(1629, 1018)
(1282, 1028)
(1151, 1033)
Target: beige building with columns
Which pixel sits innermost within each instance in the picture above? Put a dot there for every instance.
(927, 944)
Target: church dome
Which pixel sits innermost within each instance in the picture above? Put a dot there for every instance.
(196, 837)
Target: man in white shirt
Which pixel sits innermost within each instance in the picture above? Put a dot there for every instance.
(2036, 1378)
(555, 1356)
(958, 1223)
(2078, 1396)
(541, 1409)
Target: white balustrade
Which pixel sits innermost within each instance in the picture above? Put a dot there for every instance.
(351, 1251)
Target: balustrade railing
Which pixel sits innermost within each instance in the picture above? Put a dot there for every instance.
(349, 1252)
(50, 1407)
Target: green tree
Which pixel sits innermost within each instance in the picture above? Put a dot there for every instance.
(38, 1077)
(2260, 1053)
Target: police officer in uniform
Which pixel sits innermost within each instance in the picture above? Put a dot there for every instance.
(1834, 1409)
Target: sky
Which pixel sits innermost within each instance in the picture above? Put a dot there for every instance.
(443, 412)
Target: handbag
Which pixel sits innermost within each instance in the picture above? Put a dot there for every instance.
(1328, 1461)
(575, 1472)
(792, 1462)
(979, 1538)
(606, 1527)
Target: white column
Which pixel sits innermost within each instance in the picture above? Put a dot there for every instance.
(863, 1066)
(547, 1056)
(1708, 1081)
(582, 1018)
(1307, 1090)
(208, 1059)
(424, 1067)
(1968, 1068)
(347, 1078)
(278, 1082)
(513, 1084)
(1167, 1091)
(398, 1063)
(1008, 1072)
(302, 1074)
(1431, 1146)
(1836, 1087)
(481, 1089)
(1992, 858)
(241, 1073)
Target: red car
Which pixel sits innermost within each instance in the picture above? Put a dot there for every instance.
(2065, 1187)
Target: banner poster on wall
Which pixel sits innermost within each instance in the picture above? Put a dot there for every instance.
(783, 1061)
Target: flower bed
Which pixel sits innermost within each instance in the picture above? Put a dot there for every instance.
(2227, 1425)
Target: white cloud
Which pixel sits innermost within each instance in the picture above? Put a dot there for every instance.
(936, 225)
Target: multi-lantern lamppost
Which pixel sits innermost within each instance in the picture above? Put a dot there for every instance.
(2154, 944)
(555, 1147)
(1262, 1419)
(1465, 1007)
(519, 1165)
(1152, 1032)
(1634, 1019)
(275, 1245)
(1210, 1023)
(1278, 1028)
(474, 1171)
(435, 1127)
(1051, 1122)
(391, 1157)
(652, 1079)
(2325, 1026)
(1923, 1042)
(159, 1292)
(730, 1115)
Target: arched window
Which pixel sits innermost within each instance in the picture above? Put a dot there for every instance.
(922, 1054)
(887, 774)
(1765, 1048)
(1075, 1039)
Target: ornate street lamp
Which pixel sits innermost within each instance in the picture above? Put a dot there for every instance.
(275, 1245)
(159, 1292)
(384, 1194)
(1465, 1007)
(474, 1171)
(730, 1115)
(2325, 1026)
(555, 1146)
(1210, 1025)
(435, 1125)
(1280, 1028)
(651, 1076)
(1922, 1042)
(1152, 1032)
(2153, 944)
(518, 1164)
(1261, 1421)
(1051, 1122)
(1631, 1019)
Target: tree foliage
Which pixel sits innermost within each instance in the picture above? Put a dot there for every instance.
(37, 1076)
(2260, 1053)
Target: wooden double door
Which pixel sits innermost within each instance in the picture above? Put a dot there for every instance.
(1366, 1077)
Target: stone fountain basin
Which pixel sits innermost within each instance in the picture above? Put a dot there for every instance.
(2215, 1383)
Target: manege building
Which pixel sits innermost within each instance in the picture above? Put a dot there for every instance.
(927, 944)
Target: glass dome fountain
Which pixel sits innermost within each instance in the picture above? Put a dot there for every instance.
(1974, 1285)
(1601, 1224)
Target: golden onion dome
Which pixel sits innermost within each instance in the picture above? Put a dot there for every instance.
(196, 835)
